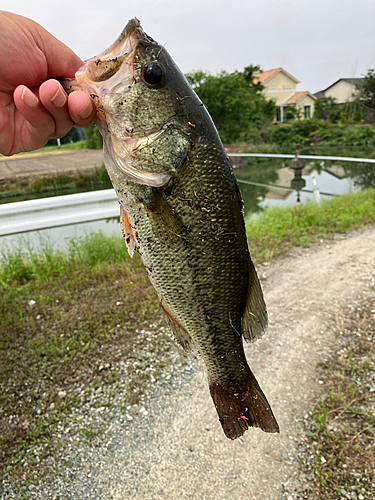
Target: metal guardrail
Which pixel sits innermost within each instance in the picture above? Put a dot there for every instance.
(45, 213)
(305, 157)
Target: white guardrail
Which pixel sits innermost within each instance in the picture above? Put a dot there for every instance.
(45, 213)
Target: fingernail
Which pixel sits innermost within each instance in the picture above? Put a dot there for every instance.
(59, 99)
(86, 112)
(29, 98)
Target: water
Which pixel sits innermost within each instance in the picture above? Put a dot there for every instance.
(58, 237)
(333, 178)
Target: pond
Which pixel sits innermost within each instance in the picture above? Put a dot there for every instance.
(272, 186)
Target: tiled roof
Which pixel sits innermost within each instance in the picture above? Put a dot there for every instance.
(265, 75)
(295, 97)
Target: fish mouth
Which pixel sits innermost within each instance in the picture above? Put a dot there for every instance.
(104, 74)
(109, 69)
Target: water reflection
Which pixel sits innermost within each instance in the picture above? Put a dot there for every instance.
(58, 237)
(331, 178)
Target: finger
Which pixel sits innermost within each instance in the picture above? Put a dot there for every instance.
(55, 101)
(82, 108)
(39, 126)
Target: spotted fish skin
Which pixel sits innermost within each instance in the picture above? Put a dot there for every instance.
(182, 210)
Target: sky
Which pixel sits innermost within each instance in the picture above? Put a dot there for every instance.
(316, 41)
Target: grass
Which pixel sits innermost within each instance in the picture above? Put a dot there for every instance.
(96, 178)
(343, 421)
(279, 229)
(68, 319)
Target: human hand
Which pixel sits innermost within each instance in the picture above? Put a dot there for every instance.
(33, 107)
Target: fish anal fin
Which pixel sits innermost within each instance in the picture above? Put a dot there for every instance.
(127, 231)
(241, 409)
(255, 318)
(182, 336)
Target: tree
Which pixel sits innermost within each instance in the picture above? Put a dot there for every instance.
(235, 103)
(366, 95)
(93, 138)
(326, 108)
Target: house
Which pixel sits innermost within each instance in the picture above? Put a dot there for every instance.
(280, 86)
(343, 90)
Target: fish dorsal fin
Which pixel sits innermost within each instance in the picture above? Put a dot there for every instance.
(127, 232)
(255, 319)
(182, 336)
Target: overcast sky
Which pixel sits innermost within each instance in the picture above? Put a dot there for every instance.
(317, 41)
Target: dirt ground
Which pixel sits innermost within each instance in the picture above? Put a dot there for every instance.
(175, 449)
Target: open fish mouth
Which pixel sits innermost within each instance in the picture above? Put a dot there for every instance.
(113, 73)
(102, 72)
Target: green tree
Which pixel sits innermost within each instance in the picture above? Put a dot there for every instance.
(366, 96)
(236, 105)
(93, 138)
(326, 108)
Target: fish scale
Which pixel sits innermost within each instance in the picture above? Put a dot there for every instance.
(181, 208)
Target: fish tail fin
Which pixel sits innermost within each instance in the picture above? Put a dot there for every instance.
(239, 410)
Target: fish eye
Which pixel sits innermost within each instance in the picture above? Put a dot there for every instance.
(153, 74)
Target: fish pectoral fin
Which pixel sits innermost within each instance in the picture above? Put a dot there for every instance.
(127, 232)
(182, 336)
(239, 409)
(255, 318)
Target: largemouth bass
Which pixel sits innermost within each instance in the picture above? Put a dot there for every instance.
(182, 210)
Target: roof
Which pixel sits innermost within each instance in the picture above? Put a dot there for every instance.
(319, 94)
(264, 76)
(354, 81)
(297, 96)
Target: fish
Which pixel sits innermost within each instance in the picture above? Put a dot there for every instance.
(182, 211)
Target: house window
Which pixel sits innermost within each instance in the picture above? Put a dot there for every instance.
(288, 89)
(271, 90)
(306, 112)
(278, 114)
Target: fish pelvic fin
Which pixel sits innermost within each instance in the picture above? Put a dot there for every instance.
(181, 335)
(241, 409)
(255, 318)
(127, 232)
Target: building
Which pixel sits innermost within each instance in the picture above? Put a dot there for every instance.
(343, 90)
(280, 86)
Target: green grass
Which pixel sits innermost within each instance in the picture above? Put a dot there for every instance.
(279, 229)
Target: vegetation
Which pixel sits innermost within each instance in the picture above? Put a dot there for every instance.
(70, 182)
(341, 434)
(278, 229)
(235, 103)
(320, 132)
(366, 95)
(92, 137)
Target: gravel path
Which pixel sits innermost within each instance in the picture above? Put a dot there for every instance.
(172, 446)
